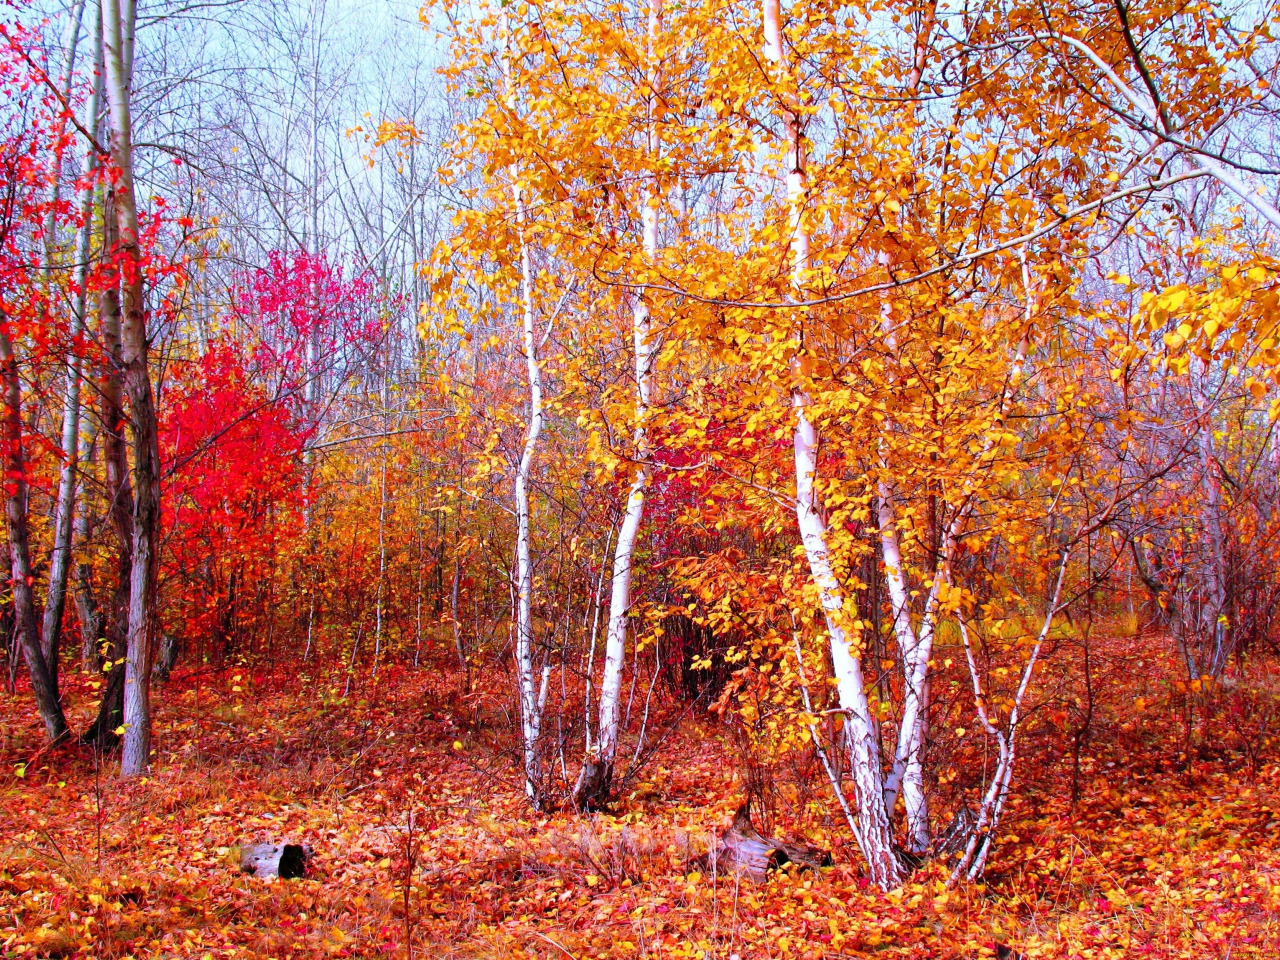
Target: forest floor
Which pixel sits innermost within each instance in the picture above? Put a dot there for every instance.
(1157, 858)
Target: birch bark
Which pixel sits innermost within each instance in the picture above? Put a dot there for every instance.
(597, 773)
(973, 859)
(118, 23)
(119, 488)
(526, 674)
(64, 511)
(907, 773)
(44, 684)
(875, 834)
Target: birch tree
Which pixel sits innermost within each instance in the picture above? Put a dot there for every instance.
(592, 790)
(65, 506)
(531, 683)
(875, 832)
(119, 21)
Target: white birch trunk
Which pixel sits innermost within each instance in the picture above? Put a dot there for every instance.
(974, 858)
(907, 773)
(597, 777)
(64, 511)
(531, 696)
(75, 22)
(118, 22)
(875, 835)
(530, 715)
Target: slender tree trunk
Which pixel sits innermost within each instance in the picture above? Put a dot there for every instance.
(87, 610)
(92, 627)
(875, 834)
(530, 716)
(44, 682)
(75, 23)
(973, 859)
(120, 505)
(64, 511)
(118, 38)
(311, 391)
(916, 645)
(382, 568)
(1213, 616)
(527, 678)
(592, 791)
(464, 667)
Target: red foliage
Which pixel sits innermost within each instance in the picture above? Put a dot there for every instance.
(32, 140)
(301, 300)
(233, 500)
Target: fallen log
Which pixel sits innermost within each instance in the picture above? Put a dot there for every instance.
(744, 851)
(288, 861)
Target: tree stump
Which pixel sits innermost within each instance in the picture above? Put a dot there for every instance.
(287, 861)
(744, 851)
(591, 792)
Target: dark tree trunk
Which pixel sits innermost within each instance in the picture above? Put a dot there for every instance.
(44, 681)
(115, 453)
(170, 649)
(88, 612)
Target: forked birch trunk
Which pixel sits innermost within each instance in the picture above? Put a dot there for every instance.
(973, 858)
(906, 775)
(875, 833)
(593, 787)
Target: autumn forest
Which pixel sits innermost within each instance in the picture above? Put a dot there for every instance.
(663, 479)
